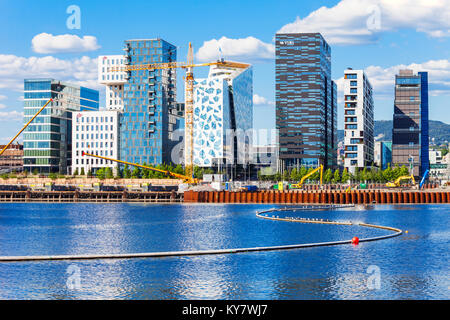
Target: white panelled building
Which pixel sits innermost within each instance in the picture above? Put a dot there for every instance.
(113, 80)
(95, 132)
(359, 121)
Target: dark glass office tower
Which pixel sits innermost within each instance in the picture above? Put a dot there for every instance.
(306, 101)
(149, 97)
(410, 127)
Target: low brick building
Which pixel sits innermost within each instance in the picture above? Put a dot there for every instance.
(12, 158)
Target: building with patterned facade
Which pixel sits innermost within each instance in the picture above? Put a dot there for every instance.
(306, 101)
(223, 116)
(47, 141)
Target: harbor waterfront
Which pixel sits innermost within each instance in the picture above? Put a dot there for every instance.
(413, 265)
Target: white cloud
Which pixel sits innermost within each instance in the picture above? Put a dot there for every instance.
(14, 69)
(383, 78)
(48, 43)
(245, 49)
(361, 21)
(2, 97)
(259, 100)
(11, 116)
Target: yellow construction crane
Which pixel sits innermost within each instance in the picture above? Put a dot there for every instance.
(396, 183)
(189, 95)
(185, 178)
(299, 185)
(24, 127)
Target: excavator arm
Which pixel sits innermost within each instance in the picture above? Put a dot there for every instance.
(396, 183)
(303, 179)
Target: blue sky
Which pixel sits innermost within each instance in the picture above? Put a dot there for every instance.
(375, 35)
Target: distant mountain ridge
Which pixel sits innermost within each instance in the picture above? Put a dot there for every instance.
(438, 130)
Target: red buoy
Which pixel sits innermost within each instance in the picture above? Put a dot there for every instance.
(355, 240)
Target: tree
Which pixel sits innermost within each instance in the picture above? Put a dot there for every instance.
(82, 172)
(337, 176)
(52, 176)
(89, 173)
(76, 172)
(365, 175)
(397, 172)
(109, 173)
(118, 172)
(303, 172)
(136, 174)
(286, 175)
(101, 173)
(328, 176)
(179, 169)
(404, 171)
(126, 172)
(25, 172)
(35, 172)
(294, 174)
(388, 174)
(345, 176)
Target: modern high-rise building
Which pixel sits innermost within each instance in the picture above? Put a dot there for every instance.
(410, 125)
(149, 97)
(359, 122)
(306, 101)
(112, 79)
(48, 139)
(382, 154)
(223, 112)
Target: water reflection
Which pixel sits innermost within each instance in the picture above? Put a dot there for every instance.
(414, 265)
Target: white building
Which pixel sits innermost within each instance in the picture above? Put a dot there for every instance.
(435, 156)
(223, 103)
(359, 121)
(113, 80)
(95, 132)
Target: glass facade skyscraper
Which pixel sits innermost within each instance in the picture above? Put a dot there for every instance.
(410, 145)
(149, 97)
(306, 101)
(48, 139)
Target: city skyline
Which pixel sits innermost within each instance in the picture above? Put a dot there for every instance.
(381, 47)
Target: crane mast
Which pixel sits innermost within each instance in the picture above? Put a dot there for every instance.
(189, 115)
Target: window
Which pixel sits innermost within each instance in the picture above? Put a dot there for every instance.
(353, 83)
(353, 90)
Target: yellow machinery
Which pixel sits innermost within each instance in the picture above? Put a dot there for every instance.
(185, 178)
(396, 183)
(15, 137)
(189, 95)
(299, 185)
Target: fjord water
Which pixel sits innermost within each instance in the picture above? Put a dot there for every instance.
(414, 265)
